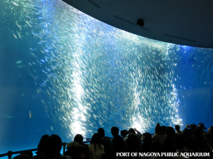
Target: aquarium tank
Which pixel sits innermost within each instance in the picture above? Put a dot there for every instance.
(63, 72)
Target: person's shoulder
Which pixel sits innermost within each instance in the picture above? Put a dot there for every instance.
(106, 139)
(75, 144)
(178, 132)
(102, 149)
(126, 137)
(120, 138)
(117, 138)
(154, 135)
(90, 145)
(102, 146)
(71, 144)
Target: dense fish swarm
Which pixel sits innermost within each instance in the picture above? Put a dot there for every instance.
(95, 75)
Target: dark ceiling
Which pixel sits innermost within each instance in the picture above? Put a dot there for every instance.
(184, 22)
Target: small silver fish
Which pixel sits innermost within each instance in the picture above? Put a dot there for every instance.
(18, 62)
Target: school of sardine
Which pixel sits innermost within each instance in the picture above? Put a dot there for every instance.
(94, 74)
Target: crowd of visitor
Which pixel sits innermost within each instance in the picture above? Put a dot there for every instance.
(194, 138)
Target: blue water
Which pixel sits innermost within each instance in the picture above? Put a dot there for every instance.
(64, 72)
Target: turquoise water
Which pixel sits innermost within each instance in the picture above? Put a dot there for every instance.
(64, 72)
